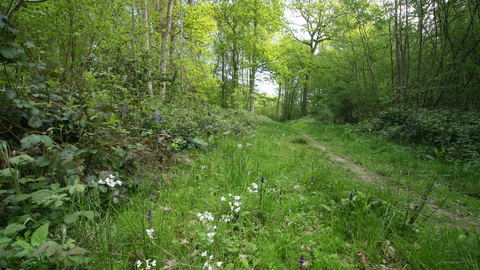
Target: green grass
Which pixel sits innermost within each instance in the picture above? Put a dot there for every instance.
(307, 207)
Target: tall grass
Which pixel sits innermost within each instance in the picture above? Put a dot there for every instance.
(275, 201)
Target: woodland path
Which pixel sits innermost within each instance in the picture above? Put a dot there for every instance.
(460, 218)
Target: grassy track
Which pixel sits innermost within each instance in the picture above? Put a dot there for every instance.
(280, 199)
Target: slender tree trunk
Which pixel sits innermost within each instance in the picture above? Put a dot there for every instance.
(164, 49)
(147, 43)
(398, 52)
(306, 85)
(253, 71)
(278, 100)
(235, 75)
(224, 83)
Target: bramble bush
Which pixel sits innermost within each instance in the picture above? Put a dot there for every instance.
(445, 134)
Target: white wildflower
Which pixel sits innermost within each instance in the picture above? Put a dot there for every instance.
(150, 232)
(139, 263)
(237, 198)
(223, 199)
(205, 217)
(110, 181)
(205, 265)
(204, 254)
(219, 264)
(240, 146)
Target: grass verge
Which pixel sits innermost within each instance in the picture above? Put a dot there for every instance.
(273, 200)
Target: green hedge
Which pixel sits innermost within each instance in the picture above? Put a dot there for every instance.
(451, 135)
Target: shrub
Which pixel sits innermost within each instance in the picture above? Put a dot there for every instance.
(451, 135)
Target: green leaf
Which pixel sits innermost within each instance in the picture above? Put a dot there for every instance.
(71, 218)
(88, 214)
(77, 188)
(34, 111)
(10, 94)
(5, 240)
(13, 228)
(21, 197)
(30, 44)
(9, 172)
(35, 121)
(40, 235)
(8, 52)
(76, 251)
(70, 165)
(50, 248)
(42, 162)
(33, 140)
(40, 249)
(20, 160)
(41, 194)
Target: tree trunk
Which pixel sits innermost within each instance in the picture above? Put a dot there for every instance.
(147, 43)
(305, 94)
(253, 71)
(164, 50)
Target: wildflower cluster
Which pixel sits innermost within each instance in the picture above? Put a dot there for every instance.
(148, 265)
(205, 218)
(110, 181)
(255, 188)
(206, 265)
(240, 146)
(234, 205)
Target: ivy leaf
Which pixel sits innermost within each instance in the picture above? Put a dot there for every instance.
(8, 52)
(35, 121)
(40, 235)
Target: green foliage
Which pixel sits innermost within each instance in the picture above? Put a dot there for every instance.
(448, 135)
